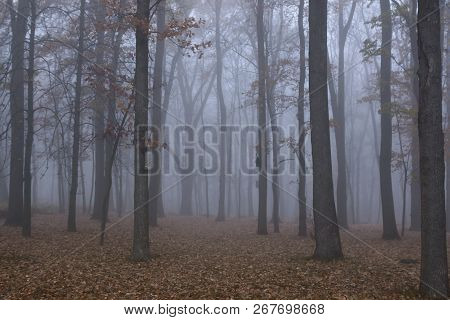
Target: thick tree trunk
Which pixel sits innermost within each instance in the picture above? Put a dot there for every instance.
(71, 223)
(26, 227)
(387, 199)
(447, 156)
(434, 270)
(156, 116)
(302, 228)
(17, 100)
(262, 135)
(328, 244)
(141, 251)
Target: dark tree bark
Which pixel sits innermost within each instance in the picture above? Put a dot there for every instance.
(156, 116)
(447, 156)
(141, 250)
(17, 101)
(262, 135)
(71, 223)
(26, 227)
(415, 181)
(387, 199)
(223, 114)
(99, 109)
(302, 228)
(328, 244)
(434, 269)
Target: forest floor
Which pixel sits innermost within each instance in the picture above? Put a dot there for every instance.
(198, 258)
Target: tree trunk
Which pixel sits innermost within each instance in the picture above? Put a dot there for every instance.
(71, 223)
(156, 116)
(341, 193)
(223, 116)
(26, 227)
(17, 100)
(262, 134)
(434, 270)
(387, 199)
(99, 109)
(328, 244)
(141, 250)
(302, 228)
(447, 158)
(415, 181)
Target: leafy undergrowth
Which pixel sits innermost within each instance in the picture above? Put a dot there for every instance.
(197, 258)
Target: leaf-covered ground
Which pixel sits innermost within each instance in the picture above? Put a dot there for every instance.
(197, 258)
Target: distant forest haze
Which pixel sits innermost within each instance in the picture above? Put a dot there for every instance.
(281, 130)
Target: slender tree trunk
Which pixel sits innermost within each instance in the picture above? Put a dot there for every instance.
(302, 228)
(17, 101)
(387, 199)
(83, 186)
(415, 181)
(71, 223)
(434, 269)
(99, 109)
(340, 118)
(262, 135)
(26, 227)
(156, 116)
(141, 250)
(223, 116)
(328, 244)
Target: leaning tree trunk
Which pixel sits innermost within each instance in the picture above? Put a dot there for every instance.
(17, 100)
(434, 270)
(156, 116)
(141, 250)
(26, 227)
(262, 135)
(387, 199)
(301, 125)
(71, 223)
(328, 244)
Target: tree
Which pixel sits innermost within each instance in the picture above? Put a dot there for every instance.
(301, 125)
(26, 227)
(156, 115)
(262, 134)
(99, 107)
(17, 101)
(141, 251)
(447, 98)
(434, 269)
(410, 17)
(328, 243)
(71, 223)
(339, 114)
(387, 199)
(223, 115)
